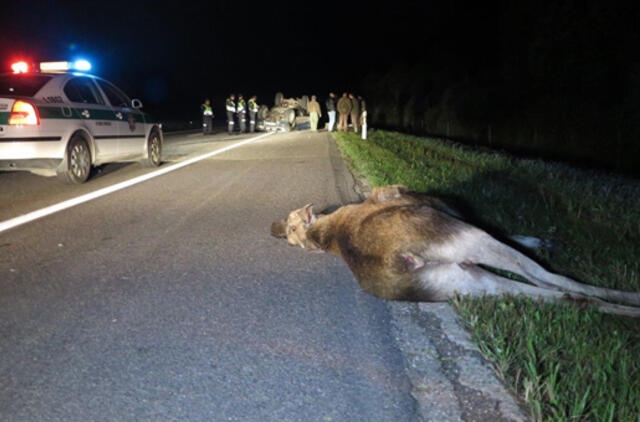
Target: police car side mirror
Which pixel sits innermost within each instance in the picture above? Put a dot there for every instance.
(136, 103)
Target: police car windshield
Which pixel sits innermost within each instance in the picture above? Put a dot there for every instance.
(21, 84)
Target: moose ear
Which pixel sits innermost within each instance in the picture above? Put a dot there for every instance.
(402, 189)
(307, 214)
(279, 228)
(387, 193)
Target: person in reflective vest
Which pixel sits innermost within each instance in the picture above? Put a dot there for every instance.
(231, 109)
(241, 109)
(207, 117)
(253, 112)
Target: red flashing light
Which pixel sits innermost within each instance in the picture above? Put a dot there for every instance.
(20, 67)
(24, 114)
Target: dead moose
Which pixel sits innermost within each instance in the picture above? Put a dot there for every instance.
(406, 246)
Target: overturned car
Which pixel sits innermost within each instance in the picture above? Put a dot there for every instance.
(287, 114)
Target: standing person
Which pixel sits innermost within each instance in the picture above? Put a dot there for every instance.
(231, 109)
(253, 112)
(241, 109)
(207, 117)
(344, 108)
(363, 105)
(355, 112)
(331, 110)
(314, 113)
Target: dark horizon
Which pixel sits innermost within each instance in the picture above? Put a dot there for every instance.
(177, 55)
(552, 78)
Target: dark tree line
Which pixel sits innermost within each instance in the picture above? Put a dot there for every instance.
(554, 79)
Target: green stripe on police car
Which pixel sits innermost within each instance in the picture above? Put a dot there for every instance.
(77, 113)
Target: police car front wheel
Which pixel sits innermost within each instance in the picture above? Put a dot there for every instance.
(76, 165)
(154, 150)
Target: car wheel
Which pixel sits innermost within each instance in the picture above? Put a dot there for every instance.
(76, 165)
(154, 150)
(278, 99)
(291, 116)
(286, 127)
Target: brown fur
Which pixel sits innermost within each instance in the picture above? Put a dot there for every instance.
(407, 246)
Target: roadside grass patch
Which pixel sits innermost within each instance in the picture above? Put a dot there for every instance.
(566, 363)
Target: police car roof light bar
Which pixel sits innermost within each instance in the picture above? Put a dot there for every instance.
(54, 66)
(81, 65)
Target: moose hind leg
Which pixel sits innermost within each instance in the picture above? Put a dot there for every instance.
(496, 285)
(530, 242)
(444, 280)
(497, 254)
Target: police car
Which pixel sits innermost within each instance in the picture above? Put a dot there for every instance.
(63, 121)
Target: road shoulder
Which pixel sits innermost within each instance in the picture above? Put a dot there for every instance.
(450, 379)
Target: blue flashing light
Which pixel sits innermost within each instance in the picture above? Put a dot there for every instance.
(82, 65)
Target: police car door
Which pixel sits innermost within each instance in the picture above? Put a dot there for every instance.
(132, 141)
(88, 106)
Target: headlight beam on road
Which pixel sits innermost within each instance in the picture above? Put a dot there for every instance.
(43, 212)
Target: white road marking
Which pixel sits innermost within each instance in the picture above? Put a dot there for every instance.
(43, 212)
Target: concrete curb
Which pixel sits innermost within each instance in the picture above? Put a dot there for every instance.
(450, 379)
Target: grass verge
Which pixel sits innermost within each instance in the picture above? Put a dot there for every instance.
(566, 363)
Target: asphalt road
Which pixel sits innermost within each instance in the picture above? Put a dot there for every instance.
(169, 301)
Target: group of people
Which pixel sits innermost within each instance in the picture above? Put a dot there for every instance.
(349, 107)
(235, 109)
(240, 109)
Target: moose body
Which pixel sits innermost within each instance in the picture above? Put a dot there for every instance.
(406, 246)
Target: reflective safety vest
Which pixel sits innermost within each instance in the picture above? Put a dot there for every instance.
(207, 110)
(253, 106)
(231, 105)
(241, 106)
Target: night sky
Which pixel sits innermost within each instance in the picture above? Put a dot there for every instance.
(555, 78)
(173, 56)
